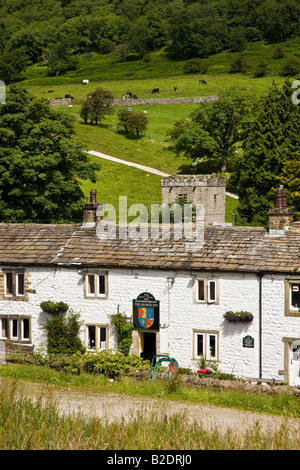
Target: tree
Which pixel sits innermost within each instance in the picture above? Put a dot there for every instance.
(267, 149)
(96, 105)
(212, 132)
(132, 122)
(139, 38)
(290, 178)
(41, 162)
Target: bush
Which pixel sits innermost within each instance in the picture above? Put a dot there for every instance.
(261, 69)
(108, 363)
(239, 65)
(63, 334)
(123, 332)
(195, 66)
(279, 52)
(291, 66)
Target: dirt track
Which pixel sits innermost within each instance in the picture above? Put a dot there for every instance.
(113, 407)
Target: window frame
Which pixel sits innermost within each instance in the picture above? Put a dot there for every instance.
(290, 310)
(20, 336)
(97, 294)
(206, 335)
(98, 327)
(17, 291)
(206, 288)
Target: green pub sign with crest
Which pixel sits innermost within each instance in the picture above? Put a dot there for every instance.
(145, 312)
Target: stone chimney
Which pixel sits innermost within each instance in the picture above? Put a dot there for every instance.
(90, 210)
(280, 216)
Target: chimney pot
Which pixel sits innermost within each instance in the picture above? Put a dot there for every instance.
(281, 198)
(90, 209)
(280, 216)
(93, 195)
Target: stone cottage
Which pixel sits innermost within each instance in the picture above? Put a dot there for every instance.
(176, 292)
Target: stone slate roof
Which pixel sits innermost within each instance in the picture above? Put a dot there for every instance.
(244, 249)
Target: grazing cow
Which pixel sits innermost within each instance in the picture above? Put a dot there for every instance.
(127, 95)
(155, 90)
(203, 81)
(85, 82)
(69, 96)
(175, 88)
(50, 91)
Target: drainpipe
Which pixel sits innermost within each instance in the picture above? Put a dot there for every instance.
(260, 277)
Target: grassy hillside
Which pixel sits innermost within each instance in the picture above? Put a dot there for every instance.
(140, 77)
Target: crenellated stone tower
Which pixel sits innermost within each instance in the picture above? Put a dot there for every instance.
(208, 190)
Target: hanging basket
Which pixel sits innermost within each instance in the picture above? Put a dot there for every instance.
(54, 308)
(238, 317)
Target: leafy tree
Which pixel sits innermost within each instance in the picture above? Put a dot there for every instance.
(139, 38)
(97, 105)
(212, 132)
(41, 162)
(290, 178)
(268, 150)
(132, 122)
(238, 39)
(12, 63)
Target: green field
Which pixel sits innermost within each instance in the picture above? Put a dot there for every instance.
(140, 77)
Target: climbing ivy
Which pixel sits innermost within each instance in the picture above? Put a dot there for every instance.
(123, 332)
(63, 334)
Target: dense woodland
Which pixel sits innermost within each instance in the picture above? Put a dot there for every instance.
(55, 32)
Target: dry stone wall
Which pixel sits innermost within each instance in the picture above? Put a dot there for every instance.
(132, 102)
(60, 101)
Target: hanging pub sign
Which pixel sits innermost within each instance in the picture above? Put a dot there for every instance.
(145, 312)
(248, 342)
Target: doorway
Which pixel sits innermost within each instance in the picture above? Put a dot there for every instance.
(295, 363)
(148, 345)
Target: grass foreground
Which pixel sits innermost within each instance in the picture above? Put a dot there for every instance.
(28, 425)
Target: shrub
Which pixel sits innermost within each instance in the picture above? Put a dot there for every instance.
(279, 52)
(123, 331)
(195, 66)
(108, 363)
(63, 334)
(291, 66)
(112, 363)
(239, 65)
(261, 69)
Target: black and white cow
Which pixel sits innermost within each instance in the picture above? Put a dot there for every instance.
(155, 90)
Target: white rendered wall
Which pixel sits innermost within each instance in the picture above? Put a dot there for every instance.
(179, 314)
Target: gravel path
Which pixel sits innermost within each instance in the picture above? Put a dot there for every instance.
(113, 407)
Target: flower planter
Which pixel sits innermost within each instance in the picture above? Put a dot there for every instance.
(238, 317)
(54, 308)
